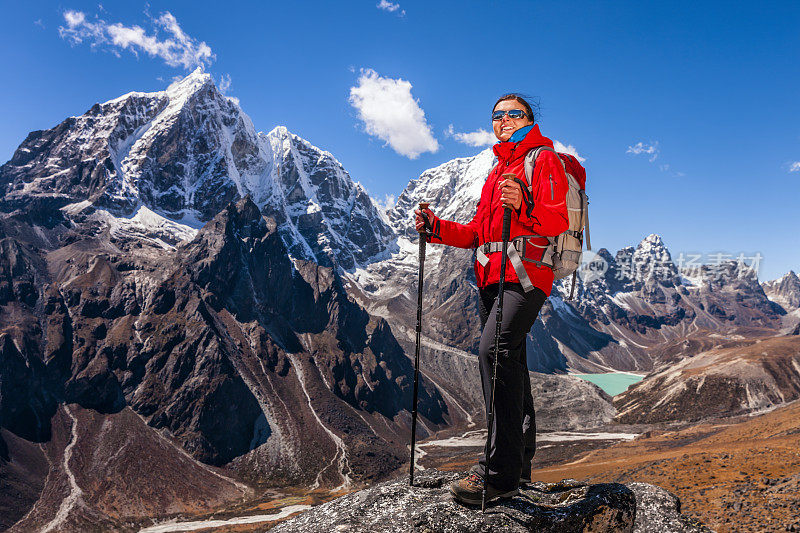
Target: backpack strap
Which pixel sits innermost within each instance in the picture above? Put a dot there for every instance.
(516, 250)
(530, 164)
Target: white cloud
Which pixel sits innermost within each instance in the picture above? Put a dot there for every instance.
(224, 86)
(74, 18)
(387, 203)
(642, 148)
(391, 113)
(568, 149)
(391, 7)
(478, 138)
(224, 83)
(794, 167)
(178, 49)
(38, 22)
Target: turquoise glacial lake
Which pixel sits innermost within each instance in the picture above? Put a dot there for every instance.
(613, 383)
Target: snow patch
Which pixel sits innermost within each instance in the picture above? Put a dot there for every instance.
(147, 224)
(560, 306)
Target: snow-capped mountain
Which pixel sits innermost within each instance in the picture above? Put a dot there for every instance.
(185, 153)
(454, 188)
(784, 291)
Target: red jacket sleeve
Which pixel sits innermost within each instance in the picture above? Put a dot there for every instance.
(458, 235)
(549, 215)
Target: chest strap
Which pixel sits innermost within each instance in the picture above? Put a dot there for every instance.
(517, 249)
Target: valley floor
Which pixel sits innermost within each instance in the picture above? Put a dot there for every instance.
(737, 474)
(740, 474)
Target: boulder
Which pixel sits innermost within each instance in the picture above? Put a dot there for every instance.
(558, 507)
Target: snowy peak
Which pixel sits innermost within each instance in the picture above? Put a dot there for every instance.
(178, 91)
(652, 241)
(651, 261)
(785, 291)
(185, 153)
(190, 84)
(173, 151)
(453, 190)
(323, 214)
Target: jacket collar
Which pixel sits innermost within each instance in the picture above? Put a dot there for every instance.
(509, 151)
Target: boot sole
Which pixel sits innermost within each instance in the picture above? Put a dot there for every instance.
(478, 500)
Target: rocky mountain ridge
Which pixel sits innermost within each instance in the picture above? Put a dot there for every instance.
(785, 291)
(185, 153)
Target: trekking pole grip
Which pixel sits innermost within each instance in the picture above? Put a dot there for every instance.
(428, 228)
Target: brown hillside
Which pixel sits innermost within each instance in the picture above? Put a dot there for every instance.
(736, 475)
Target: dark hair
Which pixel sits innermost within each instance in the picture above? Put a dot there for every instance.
(533, 115)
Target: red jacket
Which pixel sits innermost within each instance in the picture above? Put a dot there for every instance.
(548, 215)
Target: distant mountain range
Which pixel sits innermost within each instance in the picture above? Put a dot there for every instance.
(242, 310)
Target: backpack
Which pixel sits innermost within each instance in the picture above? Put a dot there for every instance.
(566, 248)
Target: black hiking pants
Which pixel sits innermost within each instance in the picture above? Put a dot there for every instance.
(513, 434)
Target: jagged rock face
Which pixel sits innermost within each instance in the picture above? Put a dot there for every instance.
(34, 352)
(741, 376)
(324, 215)
(784, 291)
(557, 507)
(212, 342)
(186, 152)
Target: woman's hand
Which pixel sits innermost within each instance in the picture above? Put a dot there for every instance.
(420, 221)
(511, 194)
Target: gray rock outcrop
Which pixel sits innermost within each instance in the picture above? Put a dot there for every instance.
(561, 507)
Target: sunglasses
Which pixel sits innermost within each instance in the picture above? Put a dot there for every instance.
(513, 113)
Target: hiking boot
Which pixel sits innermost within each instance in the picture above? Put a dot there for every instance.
(469, 491)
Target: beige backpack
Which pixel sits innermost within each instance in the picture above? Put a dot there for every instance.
(565, 251)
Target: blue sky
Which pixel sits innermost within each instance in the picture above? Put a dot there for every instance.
(709, 89)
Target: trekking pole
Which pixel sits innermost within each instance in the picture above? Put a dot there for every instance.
(499, 321)
(422, 235)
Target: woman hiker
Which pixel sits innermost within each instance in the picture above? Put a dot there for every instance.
(537, 213)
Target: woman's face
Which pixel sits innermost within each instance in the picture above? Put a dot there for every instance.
(506, 126)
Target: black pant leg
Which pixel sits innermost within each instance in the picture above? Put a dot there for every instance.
(508, 442)
(528, 423)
